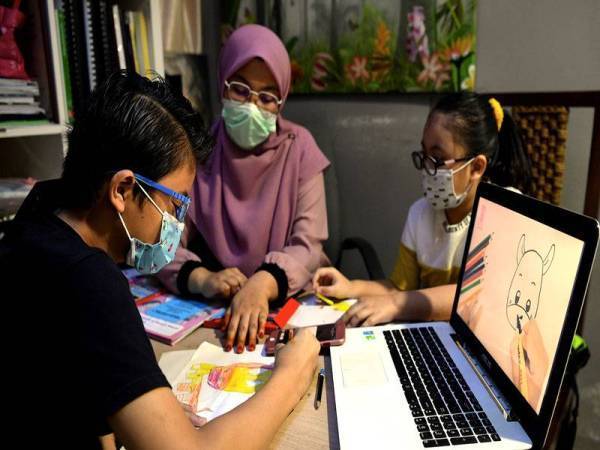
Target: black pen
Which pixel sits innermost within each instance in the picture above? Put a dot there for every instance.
(320, 380)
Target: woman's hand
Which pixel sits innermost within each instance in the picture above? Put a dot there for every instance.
(225, 283)
(247, 314)
(369, 311)
(297, 360)
(330, 282)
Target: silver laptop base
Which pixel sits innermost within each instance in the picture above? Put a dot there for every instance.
(503, 404)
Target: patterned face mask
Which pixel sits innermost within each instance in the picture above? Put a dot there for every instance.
(439, 188)
(150, 258)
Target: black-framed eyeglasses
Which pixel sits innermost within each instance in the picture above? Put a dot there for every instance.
(242, 93)
(430, 164)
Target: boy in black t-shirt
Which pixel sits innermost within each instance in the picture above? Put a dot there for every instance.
(82, 364)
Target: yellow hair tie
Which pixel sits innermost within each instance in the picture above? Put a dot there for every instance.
(498, 111)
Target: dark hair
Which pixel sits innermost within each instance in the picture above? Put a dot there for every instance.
(473, 123)
(132, 123)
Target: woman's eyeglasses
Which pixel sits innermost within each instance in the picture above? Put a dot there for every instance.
(430, 164)
(241, 92)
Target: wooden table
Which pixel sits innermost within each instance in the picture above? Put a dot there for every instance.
(306, 427)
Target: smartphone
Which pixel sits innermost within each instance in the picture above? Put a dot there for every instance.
(331, 334)
(328, 335)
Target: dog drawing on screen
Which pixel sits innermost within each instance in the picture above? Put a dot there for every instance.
(528, 355)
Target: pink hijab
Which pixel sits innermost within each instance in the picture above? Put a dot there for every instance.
(244, 202)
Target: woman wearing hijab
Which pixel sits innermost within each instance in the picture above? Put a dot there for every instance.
(258, 218)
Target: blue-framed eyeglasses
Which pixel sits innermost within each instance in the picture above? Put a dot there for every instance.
(182, 202)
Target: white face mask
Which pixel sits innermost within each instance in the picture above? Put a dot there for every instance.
(439, 188)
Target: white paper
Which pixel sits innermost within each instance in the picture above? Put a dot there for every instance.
(172, 363)
(311, 313)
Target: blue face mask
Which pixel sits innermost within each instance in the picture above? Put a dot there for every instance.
(150, 258)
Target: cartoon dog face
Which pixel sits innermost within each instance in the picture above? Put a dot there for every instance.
(526, 285)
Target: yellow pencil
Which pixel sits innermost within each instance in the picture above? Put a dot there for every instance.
(324, 299)
(341, 306)
(523, 384)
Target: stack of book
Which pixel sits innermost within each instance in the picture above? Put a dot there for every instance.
(97, 38)
(19, 102)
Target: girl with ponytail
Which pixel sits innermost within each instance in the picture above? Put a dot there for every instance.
(467, 138)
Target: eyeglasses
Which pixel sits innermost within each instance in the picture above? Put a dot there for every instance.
(241, 92)
(430, 164)
(181, 202)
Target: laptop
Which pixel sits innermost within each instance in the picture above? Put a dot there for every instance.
(490, 377)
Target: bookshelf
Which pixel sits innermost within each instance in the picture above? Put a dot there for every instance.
(38, 150)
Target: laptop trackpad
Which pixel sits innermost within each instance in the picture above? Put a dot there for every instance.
(363, 368)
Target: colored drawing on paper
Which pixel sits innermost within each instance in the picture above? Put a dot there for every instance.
(214, 382)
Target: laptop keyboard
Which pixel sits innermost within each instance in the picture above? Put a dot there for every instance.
(444, 408)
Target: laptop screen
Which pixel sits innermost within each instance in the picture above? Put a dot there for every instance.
(515, 291)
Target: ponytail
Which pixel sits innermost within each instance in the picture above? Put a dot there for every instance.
(511, 165)
(483, 127)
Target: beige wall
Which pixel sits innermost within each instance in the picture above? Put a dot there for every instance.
(527, 45)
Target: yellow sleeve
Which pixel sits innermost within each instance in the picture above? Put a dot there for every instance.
(405, 275)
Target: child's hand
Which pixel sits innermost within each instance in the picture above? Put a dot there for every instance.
(470, 310)
(196, 421)
(369, 311)
(298, 359)
(329, 281)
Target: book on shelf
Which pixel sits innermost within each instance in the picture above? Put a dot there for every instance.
(16, 123)
(65, 69)
(116, 14)
(107, 60)
(142, 47)
(76, 52)
(131, 25)
(19, 101)
(127, 42)
(19, 87)
(97, 38)
(21, 110)
(168, 318)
